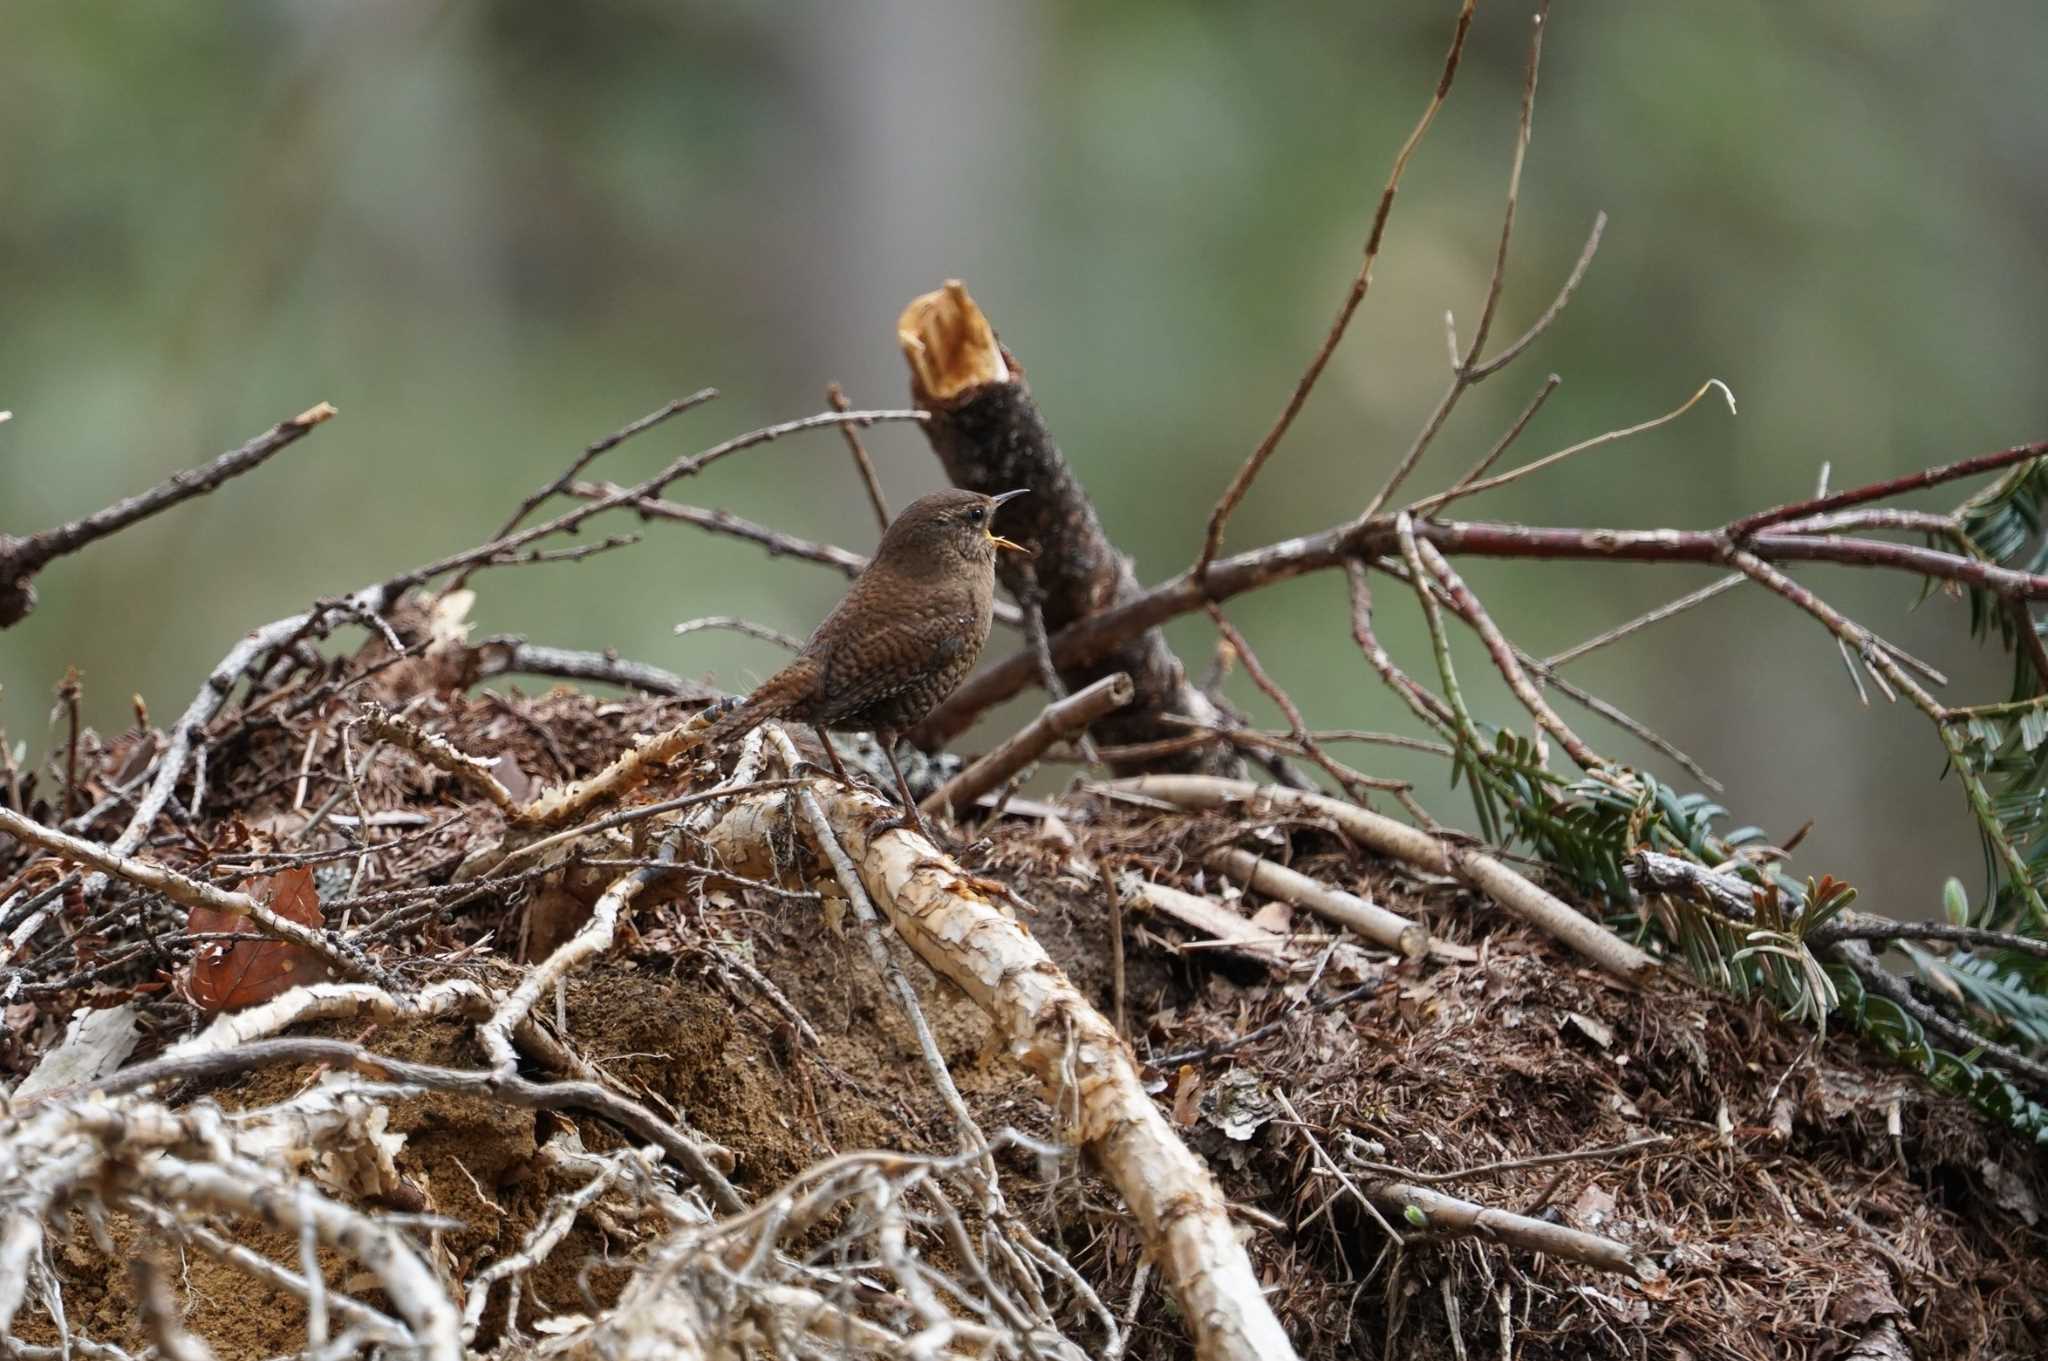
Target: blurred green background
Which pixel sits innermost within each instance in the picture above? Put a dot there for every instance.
(491, 232)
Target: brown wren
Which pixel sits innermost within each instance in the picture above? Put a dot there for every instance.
(904, 635)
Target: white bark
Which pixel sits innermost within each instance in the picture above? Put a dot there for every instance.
(1090, 1077)
(1518, 895)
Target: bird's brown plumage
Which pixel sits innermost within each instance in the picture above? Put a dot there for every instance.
(903, 636)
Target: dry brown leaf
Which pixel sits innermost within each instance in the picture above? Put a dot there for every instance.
(1276, 917)
(227, 975)
(1187, 1097)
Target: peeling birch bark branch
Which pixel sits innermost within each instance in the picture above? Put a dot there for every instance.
(1092, 1081)
(1063, 719)
(986, 429)
(438, 752)
(1504, 886)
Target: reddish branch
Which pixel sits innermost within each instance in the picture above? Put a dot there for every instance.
(1897, 486)
(1360, 284)
(1089, 638)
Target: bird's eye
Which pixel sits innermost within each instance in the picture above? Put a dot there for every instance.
(977, 515)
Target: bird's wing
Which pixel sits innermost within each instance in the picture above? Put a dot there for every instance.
(867, 669)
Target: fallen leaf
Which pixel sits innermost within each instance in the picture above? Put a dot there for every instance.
(226, 975)
(1187, 1096)
(520, 785)
(2010, 1191)
(1276, 917)
(1599, 1032)
(1594, 1207)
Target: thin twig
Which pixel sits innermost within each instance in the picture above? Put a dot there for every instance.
(190, 892)
(1354, 783)
(1360, 283)
(1642, 621)
(1468, 607)
(255, 1055)
(735, 624)
(1465, 372)
(1494, 1169)
(1171, 1062)
(1863, 926)
(861, 461)
(779, 545)
(1513, 433)
(589, 455)
(1064, 719)
(1890, 487)
(1430, 503)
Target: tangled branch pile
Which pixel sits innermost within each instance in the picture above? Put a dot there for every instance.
(443, 1020)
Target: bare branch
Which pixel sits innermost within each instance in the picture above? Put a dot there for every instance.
(734, 624)
(1360, 283)
(1432, 854)
(590, 454)
(1063, 719)
(1863, 926)
(189, 892)
(779, 545)
(861, 461)
(438, 752)
(22, 558)
(1642, 621)
(1370, 920)
(1464, 489)
(1092, 636)
(1468, 607)
(1878, 491)
(1514, 432)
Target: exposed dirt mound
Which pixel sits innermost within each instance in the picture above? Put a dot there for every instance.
(1799, 1199)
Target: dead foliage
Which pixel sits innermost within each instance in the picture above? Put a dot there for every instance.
(1803, 1198)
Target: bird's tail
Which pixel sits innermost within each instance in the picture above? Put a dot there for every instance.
(773, 698)
(751, 713)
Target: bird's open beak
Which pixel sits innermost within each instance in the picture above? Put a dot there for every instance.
(998, 539)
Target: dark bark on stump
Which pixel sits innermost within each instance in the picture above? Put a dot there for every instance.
(987, 430)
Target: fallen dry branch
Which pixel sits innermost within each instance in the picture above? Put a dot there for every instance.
(1062, 720)
(440, 753)
(1425, 852)
(1448, 1214)
(1219, 925)
(1050, 1028)
(1368, 919)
